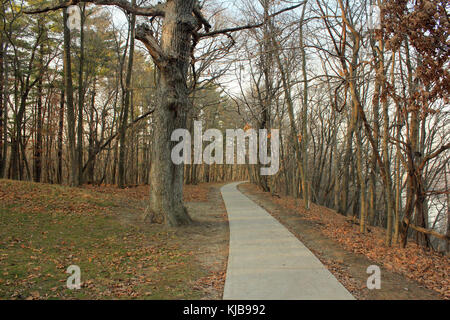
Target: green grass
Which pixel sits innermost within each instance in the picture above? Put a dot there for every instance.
(45, 228)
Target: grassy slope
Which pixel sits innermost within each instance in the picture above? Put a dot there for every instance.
(46, 228)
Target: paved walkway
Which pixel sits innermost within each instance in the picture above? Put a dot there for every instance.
(266, 261)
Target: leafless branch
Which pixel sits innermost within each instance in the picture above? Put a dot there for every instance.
(145, 35)
(150, 11)
(246, 27)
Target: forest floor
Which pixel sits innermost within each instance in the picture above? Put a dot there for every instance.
(46, 228)
(410, 273)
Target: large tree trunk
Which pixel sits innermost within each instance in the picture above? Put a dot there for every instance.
(166, 178)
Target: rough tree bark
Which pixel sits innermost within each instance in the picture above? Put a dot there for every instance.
(172, 58)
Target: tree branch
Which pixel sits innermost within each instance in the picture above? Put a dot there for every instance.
(145, 35)
(201, 18)
(433, 155)
(426, 231)
(111, 138)
(249, 26)
(150, 11)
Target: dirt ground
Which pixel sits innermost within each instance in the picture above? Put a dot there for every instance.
(349, 268)
(208, 238)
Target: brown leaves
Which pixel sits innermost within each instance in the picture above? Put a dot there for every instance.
(215, 279)
(426, 27)
(34, 296)
(428, 268)
(27, 197)
(196, 193)
(117, 258)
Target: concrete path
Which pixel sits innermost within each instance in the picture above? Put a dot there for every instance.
(268, 262)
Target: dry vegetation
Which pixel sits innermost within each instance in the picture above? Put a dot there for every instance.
(45, 228)
(428, 268)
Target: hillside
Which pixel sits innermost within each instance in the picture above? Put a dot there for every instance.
(46, 228)
(407, 273)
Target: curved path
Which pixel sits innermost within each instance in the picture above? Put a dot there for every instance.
(266, 261)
